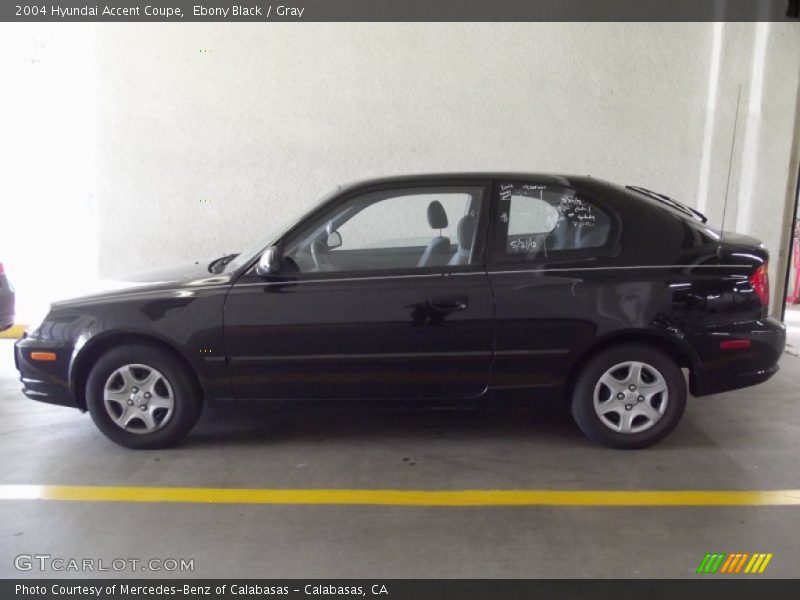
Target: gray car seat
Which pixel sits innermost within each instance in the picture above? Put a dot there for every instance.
(438, 251)
(568, 237)
(466, 233)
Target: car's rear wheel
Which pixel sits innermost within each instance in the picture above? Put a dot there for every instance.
(141, 397)
(629, 396)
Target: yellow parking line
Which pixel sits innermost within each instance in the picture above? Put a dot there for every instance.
(14, 333)
(403, 497)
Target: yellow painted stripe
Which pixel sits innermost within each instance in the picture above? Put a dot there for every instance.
(14, 333)
(752, 562)
(764, 564)
(401, 497)
(757, 564)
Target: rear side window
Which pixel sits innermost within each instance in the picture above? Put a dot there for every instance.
(539, 222)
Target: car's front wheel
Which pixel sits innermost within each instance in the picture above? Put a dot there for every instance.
(141, 397)
(629, 396)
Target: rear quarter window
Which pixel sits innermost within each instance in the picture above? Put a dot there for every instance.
(538, 222)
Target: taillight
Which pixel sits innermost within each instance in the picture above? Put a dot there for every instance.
(732, 344)
(759, 281)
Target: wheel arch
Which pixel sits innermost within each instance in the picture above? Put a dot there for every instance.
(96, 346)
(675, 348)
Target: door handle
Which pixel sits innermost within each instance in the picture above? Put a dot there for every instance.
(448, 303)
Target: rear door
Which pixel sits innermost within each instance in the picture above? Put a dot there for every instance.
(368, 305)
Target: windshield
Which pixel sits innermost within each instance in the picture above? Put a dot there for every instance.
(274, 232)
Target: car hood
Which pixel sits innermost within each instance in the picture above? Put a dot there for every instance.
(178, 278)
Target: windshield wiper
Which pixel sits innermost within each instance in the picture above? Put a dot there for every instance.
(218, 264)
(687, 210)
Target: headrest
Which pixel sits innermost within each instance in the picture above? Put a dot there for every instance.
(466, 231)
(437, 218)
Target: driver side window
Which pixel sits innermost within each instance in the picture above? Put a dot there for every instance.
(391, 229)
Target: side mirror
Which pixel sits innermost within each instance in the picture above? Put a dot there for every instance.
(270, 262)
(334, 240)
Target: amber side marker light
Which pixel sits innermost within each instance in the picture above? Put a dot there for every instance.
(46, 356)
(734, 344)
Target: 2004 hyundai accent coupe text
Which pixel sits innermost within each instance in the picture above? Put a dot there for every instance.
(445, 288)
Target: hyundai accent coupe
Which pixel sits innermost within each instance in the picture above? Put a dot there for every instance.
(462, 289)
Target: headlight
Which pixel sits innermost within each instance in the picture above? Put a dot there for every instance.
(38, 318)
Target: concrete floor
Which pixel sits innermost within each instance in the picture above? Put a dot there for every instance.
(745, 440)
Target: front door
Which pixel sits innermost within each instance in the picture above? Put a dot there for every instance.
(381, 294)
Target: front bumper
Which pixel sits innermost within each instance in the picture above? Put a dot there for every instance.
(46, 381)
(724, 370)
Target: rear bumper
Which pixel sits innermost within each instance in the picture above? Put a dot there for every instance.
(44, 381)
(725, 370)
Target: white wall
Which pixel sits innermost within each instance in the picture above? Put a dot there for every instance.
(48, 230)
(207, 133)
(268, 119)
(764, 60)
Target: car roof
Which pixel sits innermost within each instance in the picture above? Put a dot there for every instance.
(472, 175)
(619, 193)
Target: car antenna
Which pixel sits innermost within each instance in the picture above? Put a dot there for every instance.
(730, 168)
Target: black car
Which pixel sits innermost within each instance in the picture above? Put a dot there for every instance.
(6, 301)
(453, 289)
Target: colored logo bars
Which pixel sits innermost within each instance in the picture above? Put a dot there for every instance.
(739, 562)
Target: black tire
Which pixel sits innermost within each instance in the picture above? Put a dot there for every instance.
(186, 397)
(583, 397)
